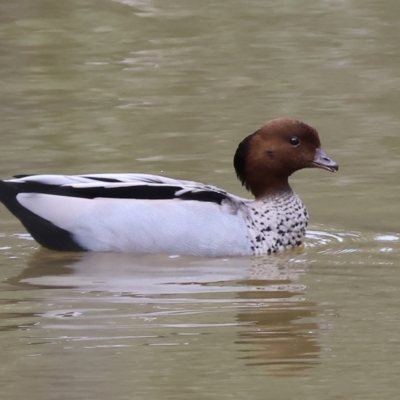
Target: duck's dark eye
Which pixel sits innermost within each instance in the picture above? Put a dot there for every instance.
(294, 141)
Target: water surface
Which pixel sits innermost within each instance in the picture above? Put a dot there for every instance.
(171, 88)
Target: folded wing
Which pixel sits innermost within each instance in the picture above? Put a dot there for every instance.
(67, 212)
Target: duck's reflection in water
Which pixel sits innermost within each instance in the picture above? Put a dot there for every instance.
(281, 330)
(276, 325)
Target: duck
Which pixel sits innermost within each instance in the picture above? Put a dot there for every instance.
(144, 213)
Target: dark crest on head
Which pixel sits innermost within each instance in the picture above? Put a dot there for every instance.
(239, 160)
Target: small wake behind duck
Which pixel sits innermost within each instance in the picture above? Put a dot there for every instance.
(140, 213)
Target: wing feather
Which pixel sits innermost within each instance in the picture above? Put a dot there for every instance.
(120, 186)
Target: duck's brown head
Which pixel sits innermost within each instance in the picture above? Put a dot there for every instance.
(265, 160)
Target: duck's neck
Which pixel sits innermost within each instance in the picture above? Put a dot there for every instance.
(271, 189)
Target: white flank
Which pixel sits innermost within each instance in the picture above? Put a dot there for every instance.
(59, 210)
(141, 226)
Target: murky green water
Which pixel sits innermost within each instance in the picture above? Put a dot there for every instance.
(171, 87)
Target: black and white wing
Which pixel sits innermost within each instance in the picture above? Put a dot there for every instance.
(39, 201)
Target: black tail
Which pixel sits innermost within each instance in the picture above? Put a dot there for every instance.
(44, 232)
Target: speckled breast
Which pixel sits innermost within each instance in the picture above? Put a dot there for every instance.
(276, 223)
